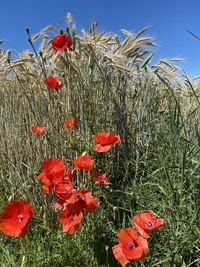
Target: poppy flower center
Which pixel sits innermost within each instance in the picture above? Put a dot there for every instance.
(130, 245)
(66, 191)
(20, 217)
(81, 202)
(71, 217)
(149, 224)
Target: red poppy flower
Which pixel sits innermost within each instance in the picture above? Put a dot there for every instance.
(38, 129)
(70, 217)
(63, 190)
(70, 123)
(54, 168)
(61, 42)
(105, 140)
(54, 83)
(131, 246)
(83, 162)
(83, 199)
(146, 222)
(53, 172)
(99, 177)
(15, 218)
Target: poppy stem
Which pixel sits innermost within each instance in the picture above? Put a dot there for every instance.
(111, 205)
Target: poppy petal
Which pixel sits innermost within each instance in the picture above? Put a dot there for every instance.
(127, 235)
(70, 229)
(143, 243)
(119, 255)
(70, 123)
(136, 253)
(38, 129)
(100, 149)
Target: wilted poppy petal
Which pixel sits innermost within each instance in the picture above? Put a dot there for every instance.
(100, 178)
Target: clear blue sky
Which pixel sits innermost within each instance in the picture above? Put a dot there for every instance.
(168, 21)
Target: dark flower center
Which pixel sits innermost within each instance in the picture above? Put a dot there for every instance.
(71, 217)
(81, 202)
(149, 224)
(20, 217)
(66, 191)
(130, 245)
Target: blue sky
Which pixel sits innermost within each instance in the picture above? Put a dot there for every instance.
(168, 21)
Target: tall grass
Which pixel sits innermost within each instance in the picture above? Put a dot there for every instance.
(110, 84)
